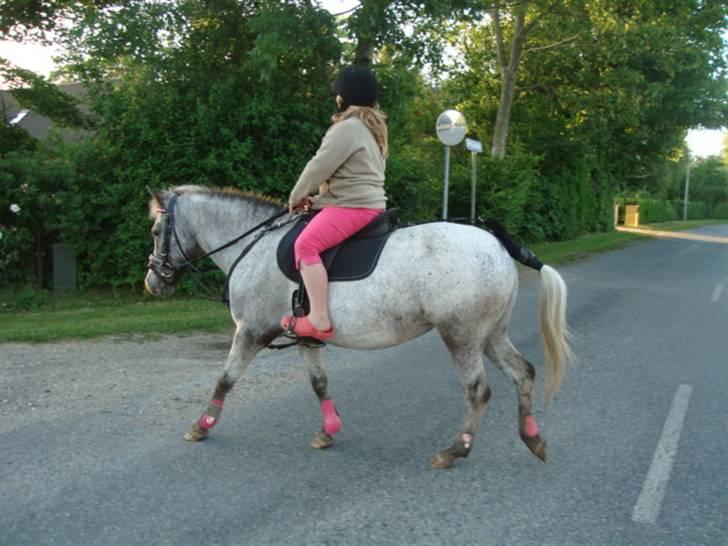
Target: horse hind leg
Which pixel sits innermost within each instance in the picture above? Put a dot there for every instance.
(244, 348)
(468, 360)
(331, 420)
(505, 356)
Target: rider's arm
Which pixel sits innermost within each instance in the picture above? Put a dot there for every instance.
(341, 140)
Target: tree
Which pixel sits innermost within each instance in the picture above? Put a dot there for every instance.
(22, 19)
(223, 93)
(524, 16)
(631, 78)
(709, 181)
(604, 95)
(409, 27)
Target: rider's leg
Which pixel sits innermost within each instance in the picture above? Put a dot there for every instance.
(329, 228)
(317, 285)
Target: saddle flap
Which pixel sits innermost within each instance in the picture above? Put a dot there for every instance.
(354, 259)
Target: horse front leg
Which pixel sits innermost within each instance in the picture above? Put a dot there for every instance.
(504, 355)
(331, 421)
(471, 373)
(246, 345)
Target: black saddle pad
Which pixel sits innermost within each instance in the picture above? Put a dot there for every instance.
(352, 260)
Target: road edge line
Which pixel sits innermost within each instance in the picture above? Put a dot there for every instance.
(649, 503)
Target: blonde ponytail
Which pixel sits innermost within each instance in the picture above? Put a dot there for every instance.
(373, 118)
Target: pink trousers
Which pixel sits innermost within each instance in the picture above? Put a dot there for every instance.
(331, 226)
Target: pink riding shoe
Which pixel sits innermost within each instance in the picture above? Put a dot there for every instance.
(303, 328)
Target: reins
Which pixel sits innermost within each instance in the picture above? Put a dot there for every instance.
(263, 224)
(258, 237)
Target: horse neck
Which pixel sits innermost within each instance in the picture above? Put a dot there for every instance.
(215, 221)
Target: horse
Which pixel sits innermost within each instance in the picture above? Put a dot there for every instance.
(456, 278)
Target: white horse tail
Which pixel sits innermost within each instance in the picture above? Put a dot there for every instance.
(554, 330)
(552, 309)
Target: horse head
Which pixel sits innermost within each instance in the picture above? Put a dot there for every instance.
(173, 244)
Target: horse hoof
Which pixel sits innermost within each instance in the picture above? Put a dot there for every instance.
(321, 440)
(443, 460)
(195, 435)
(537, 446)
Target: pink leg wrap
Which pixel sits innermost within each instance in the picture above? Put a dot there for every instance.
(467, 440)
(530, 428)
(210, 417)
(332, 423)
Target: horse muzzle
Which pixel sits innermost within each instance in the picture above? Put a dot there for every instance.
(155, 286)
(160, 279)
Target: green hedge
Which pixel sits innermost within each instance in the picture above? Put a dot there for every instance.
(720, 211)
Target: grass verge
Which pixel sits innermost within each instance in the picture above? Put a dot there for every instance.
(74, 318)
(582, 247)
(54, 317)
(562, 252)
(680, 225)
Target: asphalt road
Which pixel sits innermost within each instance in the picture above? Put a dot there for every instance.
(103, 460)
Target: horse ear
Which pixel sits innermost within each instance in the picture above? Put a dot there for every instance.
(156, 203)
(156, 195)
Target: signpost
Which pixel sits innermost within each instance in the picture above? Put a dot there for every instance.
(451, 128)
(475, 148)
(687, 191)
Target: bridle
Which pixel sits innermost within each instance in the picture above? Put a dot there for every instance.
(170, 273)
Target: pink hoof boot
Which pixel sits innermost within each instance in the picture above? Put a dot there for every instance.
(332, 422)
(210, 417)
(530, 428)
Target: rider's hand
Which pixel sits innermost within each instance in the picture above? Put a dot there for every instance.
(301, 206)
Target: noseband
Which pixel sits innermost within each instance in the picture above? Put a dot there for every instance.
(160, 265)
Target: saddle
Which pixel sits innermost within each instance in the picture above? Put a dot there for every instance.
(353, 260)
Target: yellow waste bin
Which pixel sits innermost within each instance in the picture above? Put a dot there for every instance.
(631, 215)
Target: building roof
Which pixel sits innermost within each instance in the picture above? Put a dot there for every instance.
(35, 124)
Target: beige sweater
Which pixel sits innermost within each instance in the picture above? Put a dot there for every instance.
(348, 170)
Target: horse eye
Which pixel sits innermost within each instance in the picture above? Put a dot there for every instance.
(156, 232)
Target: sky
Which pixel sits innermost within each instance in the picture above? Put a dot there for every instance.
(702, 142)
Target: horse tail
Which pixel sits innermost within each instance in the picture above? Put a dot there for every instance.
(554, 330)
(552, 310)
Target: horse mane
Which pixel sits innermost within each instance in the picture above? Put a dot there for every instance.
(226, 193)
(230, 193)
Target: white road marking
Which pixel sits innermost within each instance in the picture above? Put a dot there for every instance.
(649, 502)
(717, 292)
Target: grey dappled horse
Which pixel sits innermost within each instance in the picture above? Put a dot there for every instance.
(456, 278)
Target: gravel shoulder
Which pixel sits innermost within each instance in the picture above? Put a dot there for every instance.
(151, 381)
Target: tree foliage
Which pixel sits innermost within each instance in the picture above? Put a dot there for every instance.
(238, 92)
(22, 19)
(605, 94)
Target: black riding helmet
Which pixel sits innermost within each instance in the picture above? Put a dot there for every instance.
(357, 86)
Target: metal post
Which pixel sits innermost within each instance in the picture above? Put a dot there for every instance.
(447, 182)
(472, 188)
(687, 189)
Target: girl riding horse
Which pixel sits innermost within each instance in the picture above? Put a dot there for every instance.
(348, 171)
